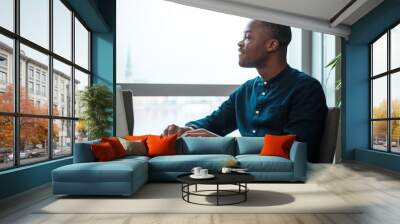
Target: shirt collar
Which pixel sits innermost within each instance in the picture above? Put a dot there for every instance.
(278, 77)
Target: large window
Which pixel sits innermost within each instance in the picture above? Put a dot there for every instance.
(385, 94)
(39, 79)
(323, 52)
(158, 50)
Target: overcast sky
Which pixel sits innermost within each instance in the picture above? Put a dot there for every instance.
(35, 27)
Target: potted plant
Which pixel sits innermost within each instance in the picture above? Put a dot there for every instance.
(96, 102)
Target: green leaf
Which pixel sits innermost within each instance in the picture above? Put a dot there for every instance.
(334, 62)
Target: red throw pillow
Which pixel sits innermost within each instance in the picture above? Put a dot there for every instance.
(161, 145)
(103, 152)
(277, 145)
(116, 145)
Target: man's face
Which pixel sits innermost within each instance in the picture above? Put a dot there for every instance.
(256, 45)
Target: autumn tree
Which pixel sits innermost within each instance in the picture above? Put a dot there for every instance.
(6, 122)
(380, 127)
(33, 131)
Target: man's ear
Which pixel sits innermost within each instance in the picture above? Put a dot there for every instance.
(272, 45)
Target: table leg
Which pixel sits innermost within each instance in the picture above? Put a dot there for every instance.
(245, 193)
(182, 188)
(217, 194)
(196, 188)
(188, 190)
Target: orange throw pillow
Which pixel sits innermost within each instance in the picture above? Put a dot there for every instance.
(116, 145)
(277, 145)
(136, 137)
(161, 145)
(103, 152)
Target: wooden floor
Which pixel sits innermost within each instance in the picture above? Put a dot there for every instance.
(377, 188)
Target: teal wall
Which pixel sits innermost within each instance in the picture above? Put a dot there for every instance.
(102, 58)
(103, 51)
(103, 63)
(356, 85)
(99, 16)
(24, 178)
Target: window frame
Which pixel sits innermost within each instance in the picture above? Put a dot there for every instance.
(388, 74)
(16, 114)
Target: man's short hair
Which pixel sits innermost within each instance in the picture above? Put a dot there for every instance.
(280, 32)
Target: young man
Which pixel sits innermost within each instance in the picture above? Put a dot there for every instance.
(281, 100)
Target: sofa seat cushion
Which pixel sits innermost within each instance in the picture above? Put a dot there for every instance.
(133, 158)
(257, 163)
(185, 163)
(112, 171)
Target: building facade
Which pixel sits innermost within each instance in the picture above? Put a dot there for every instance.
(34, 81)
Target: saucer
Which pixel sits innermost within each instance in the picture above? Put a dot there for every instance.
(208, 176)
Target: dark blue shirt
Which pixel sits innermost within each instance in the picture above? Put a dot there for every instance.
(290, 103)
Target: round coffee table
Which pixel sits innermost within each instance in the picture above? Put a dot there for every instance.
(238, 179)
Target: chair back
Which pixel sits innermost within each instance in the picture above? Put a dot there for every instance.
(329, 135)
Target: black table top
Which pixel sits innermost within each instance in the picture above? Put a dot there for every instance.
(220, 178)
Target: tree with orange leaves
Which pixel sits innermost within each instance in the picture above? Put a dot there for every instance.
(33, 131)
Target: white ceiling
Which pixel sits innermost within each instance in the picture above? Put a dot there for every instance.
(320, 9)
(315, 15)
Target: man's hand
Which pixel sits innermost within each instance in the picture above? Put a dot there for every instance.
(201, 132)
(175, 129)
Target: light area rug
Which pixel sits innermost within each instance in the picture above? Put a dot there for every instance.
(166, 198)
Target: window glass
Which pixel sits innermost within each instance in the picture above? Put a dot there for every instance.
(379, 55)
(6, 142)
(294, 52)
(81, 131)
(33, 139)
(81, 81)
(154, 114)
(317, 59)
(379, 135)
(35, 21)
(6, 74)
(157, 46)
(39, 62)
(379, 98)
(81, 45)
(62, 89)
(62, 29)
(7, 14)
(395, 136)
(62, 138)
(395, 47)
(395, 95)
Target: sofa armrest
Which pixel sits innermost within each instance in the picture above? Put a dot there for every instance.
(83, 152)
(298, 155)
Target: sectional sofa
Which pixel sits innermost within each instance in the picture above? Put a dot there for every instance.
(125, 176)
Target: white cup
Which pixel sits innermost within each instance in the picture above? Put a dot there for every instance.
(196, 171)
(203, 172)
(226, 170)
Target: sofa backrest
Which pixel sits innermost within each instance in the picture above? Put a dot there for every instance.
(206, 145)
(329, 136)
(190, 146)
(249, 145)
(83, 152)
